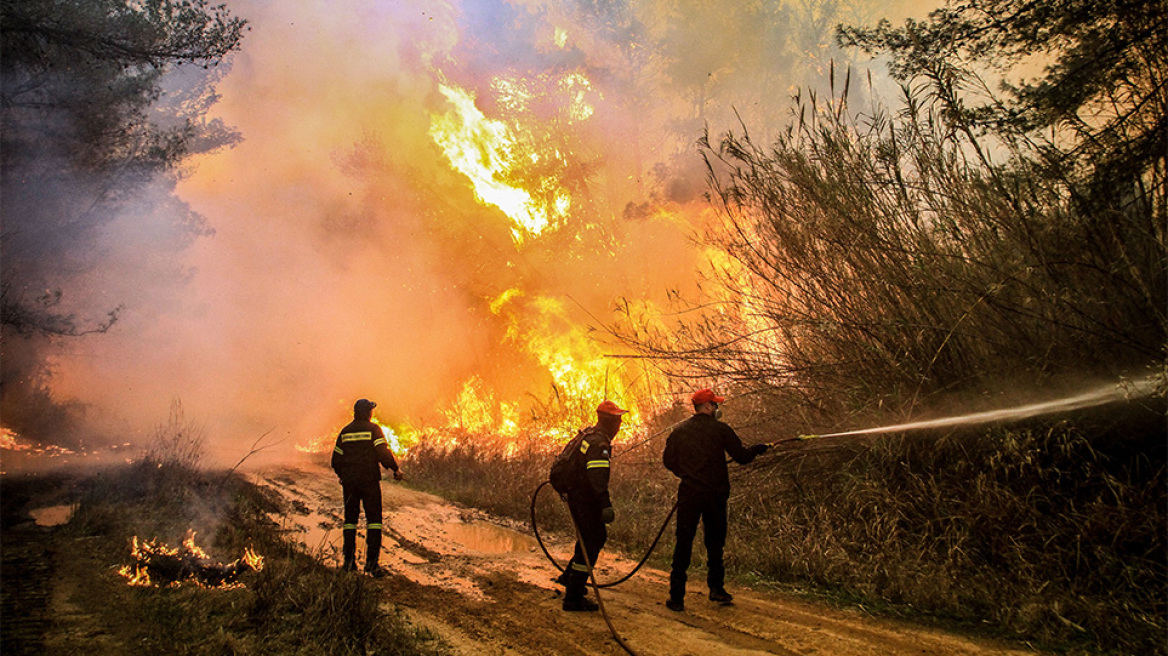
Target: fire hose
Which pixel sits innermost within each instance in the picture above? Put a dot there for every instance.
(539, 538)
(592, 578)
(587, 561)
(609, 584)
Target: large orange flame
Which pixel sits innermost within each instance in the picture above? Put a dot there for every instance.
(518, 150)
(513, 165)
(481, 148)
(579, 370)
(399, 439)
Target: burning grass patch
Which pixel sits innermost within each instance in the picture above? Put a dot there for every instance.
(156, 564)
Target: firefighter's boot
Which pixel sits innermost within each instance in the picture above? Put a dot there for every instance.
(721, 596)
(580, 604)
(577, 578)
(349, 549)
(373, 551)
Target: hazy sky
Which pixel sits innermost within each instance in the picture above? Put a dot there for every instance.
(351, 255)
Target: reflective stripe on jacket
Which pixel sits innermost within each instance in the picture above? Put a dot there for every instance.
(360, 452)
(597, 449)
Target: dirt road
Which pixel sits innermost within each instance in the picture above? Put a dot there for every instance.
(486, 587)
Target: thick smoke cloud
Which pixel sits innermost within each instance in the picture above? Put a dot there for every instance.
(349, 258)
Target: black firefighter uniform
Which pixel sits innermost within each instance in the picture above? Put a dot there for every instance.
(360, 451)
(587, 502)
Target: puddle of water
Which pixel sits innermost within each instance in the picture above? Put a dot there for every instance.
(53, 515)
(488, 538)
(319, 531)
(325, 544)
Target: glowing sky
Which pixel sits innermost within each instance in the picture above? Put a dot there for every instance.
(354, 256)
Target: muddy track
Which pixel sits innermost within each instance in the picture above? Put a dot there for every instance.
(46, 575)
(24, 600)
(485, 587)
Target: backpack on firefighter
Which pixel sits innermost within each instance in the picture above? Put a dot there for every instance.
(567, 472)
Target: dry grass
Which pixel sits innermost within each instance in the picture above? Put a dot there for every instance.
(1046, 532)
(864, 260)
(1037, 531)
(295, 605)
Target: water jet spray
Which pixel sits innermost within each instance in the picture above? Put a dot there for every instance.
(1110, 393)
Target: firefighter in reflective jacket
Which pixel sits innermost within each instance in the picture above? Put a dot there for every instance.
(358, 456)
(696, 453)
(590, 505)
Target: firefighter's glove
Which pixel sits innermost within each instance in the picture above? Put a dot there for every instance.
(608, 515)
(759, 449)
(398, 475)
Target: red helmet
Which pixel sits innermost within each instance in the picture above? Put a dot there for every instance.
(607, 407)
(705, 396)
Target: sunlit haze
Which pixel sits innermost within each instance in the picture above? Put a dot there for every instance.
(435, 206)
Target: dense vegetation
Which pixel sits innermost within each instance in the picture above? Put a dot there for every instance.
(987, 237)
(1049, 532)
(959, 240)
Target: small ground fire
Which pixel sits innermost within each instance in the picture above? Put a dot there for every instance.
(157, 565)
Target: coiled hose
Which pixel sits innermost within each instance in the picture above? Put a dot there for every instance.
(644, 559)
(591, 572)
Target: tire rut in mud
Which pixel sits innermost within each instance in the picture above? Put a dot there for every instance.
(27, 567)
(517, 617)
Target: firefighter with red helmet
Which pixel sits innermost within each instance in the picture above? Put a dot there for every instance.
(590, 505)
(696, 453)
(360, 452)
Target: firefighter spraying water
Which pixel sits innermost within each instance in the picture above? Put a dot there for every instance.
(696, 453)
